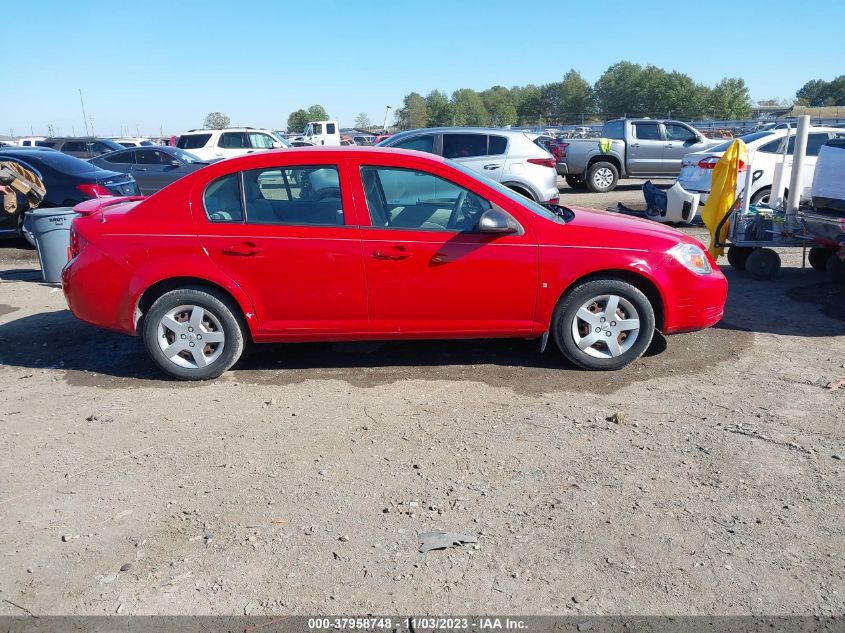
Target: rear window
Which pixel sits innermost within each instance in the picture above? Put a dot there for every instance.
(222, 200)
(614, 129)
(59, 162)
(193, 141)
(747, 138)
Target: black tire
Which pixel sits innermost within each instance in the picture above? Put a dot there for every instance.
(221, 314)
(836, 267)
(602, 177)
(762, 264)
(597, 356)
(818, 257)
(575, 182)
(761, 196)
(738, 256)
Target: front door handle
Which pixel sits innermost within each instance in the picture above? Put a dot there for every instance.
(243, 249)
(668, 145)
(394, 253)
(492, 166)
(140, 169)
(635, 144)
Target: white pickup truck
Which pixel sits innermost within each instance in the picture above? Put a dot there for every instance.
(322, 133)
(628, 148)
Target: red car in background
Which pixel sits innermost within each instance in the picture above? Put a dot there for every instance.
(342, 244)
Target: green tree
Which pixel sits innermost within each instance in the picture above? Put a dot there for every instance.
(317, 113)
(528, 102)
(297, 121)
(216, 121)
(730, 99)
(362, 120)
(836, 91)
(813, 93)
(413, 113)
(618, 90)
(499, 105)
(439, 109)
(468, 108)
(577, 99)
(684, 99)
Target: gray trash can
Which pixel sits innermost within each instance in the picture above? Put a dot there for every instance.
(51, 230)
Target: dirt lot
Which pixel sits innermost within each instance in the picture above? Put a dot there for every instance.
(299, 481)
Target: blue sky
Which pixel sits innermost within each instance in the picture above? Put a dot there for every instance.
(150, 64)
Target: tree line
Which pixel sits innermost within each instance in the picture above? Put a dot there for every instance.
(624, 89)
(817, 92)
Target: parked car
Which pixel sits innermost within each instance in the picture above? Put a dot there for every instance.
(381, 137)
(68, 181)
(228, 142)
(152, 167)
(507, 156)
(764, 149)
(30, 141)
(270, 249)
(556, 146)
(134, 142)
(363, 139)
(80, 146)
(639, 148)
(322, 133)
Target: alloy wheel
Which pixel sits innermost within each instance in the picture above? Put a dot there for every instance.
(191, 336)
(603, 177)
(606, 326)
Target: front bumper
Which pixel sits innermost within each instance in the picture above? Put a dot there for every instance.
(699, 302)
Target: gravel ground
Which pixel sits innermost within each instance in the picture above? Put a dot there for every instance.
(299, 481)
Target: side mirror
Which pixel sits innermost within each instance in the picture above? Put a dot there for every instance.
(277, 145)
(497, 221)
(175, 163)
(694, 139)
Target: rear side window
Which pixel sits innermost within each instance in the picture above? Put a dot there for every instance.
(304, 196)
(75, 146)
(222, 200)
(614, 129)
(464, 145)
(647, 131)
(497, 145)
(419, 143)
(330, 128)
(152, 157)
(233, 140)
(119, 158)
(814, 144)
(192, 141)
(45, 143)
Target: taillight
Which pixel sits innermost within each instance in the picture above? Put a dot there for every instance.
(710, 163)
(561, 147)
(93, 190)
(77, 243)
(543, 162)
(555, 200)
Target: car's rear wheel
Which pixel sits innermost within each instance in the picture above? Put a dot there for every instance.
(602, 177)
(603, 324)
(193, 333)
(575, 182)
(817, 257)
(762, 196)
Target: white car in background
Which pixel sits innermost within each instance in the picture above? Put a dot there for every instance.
(764, 150)
(211, 145)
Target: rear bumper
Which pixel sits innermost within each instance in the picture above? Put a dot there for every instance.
(562, 169)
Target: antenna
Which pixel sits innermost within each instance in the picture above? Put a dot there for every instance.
(84, 116)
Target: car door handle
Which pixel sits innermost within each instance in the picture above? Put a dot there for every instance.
(492, 166)
(635, 144)
(668, 145)
(140, 169)
(244, 249)
(395, 253)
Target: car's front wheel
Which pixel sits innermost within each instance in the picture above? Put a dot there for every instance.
(193, 333)
(603, 324)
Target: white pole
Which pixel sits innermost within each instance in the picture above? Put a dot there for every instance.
(796, 182)
(779, 180)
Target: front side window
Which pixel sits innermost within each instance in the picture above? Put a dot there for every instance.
(119, 158)
(420, 143)
(646, 131)
(410, 199)
(152, 157)
(260, 141)
(222, 200)
(675, 132)
(233, 140)
(75, 146)
(308, 196)
(464, 145)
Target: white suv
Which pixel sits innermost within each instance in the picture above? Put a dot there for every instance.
(228, 142)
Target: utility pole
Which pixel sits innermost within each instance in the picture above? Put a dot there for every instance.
(386, 110)
(84, 116)
(92, 124)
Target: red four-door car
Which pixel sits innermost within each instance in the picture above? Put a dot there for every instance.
(342, 244)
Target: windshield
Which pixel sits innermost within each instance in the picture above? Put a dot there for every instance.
(532, 206)
(745, 138)
(186, 157)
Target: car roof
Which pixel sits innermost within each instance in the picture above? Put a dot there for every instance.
(227, 129)
(465, 130)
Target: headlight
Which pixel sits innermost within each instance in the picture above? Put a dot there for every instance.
(692, 257)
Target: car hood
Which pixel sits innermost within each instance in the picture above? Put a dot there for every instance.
(593, 228)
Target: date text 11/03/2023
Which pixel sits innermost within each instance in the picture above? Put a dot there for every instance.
(419, 623)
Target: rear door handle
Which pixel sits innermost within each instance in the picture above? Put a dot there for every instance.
(491, 166)
(394, 253)
(244, 249)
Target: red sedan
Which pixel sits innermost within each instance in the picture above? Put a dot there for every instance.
(342, 244)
